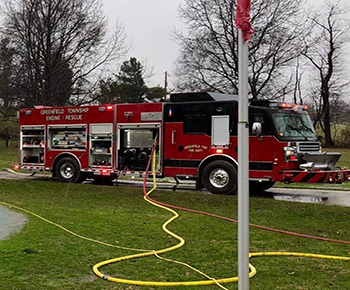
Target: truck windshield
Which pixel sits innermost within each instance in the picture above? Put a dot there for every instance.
(294, 124)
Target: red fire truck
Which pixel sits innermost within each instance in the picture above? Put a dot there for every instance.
(197, 135)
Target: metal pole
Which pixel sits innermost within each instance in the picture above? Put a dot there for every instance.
(243, 168)
(165, 85)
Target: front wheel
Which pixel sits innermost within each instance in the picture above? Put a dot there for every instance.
(68, 170)
(220, 177)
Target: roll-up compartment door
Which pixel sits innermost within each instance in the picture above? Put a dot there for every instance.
(220, 131)
(102, 129)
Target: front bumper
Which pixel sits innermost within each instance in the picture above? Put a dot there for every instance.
(326, 176)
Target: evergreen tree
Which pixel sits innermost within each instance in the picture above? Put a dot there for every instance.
(127, 87)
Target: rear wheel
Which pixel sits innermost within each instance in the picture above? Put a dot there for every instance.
(220, 177)
(68, 170)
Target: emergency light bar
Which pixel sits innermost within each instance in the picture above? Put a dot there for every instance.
(106, 108)
(283, 105)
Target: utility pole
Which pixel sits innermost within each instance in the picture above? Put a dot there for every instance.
(244, 32)
(243, 166)
(165, 85)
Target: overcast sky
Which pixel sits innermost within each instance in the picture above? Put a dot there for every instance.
(149, 25)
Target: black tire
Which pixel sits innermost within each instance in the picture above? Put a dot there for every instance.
(257, 186)
(220, 177)
(68, 170)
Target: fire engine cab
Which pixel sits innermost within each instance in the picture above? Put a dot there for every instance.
(197, 139)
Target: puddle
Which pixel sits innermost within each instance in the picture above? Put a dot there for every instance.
(302, 198)
(10, 222)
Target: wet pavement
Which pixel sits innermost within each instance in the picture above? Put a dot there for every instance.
(326, 197)
(10, 222)
(10, 174)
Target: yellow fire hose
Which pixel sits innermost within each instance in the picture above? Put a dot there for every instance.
(146, 253)
(181, 243)
(158, 252)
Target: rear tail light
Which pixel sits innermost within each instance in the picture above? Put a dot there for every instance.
(105, 172)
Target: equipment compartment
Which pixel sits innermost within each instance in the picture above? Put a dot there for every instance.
(101, 146)
(33, 145)
(135, 147)
(71, 137)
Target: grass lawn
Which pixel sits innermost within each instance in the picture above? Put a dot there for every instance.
(42, 256)
(8, 156)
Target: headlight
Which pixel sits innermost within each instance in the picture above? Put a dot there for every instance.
(289, 151)
(290, 154)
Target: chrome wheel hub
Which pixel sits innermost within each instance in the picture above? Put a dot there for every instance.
(219, 178)
(67, 170)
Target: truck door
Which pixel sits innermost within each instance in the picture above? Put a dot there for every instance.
(261, 148)
(187, 142)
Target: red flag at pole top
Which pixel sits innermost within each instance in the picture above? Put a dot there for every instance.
(243, 19)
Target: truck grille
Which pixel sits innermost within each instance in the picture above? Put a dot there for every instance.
(304, 147)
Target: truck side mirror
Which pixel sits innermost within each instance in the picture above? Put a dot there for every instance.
(256, 129)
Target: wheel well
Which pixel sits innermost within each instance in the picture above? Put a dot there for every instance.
(212, 158)
(59, 157)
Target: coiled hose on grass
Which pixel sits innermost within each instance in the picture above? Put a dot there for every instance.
(182, 242)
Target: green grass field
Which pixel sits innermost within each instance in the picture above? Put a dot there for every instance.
(42, 256)
(8, 156)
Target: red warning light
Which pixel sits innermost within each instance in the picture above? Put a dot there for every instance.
(109, 108)
(286, 105)
(293, 158)
(219, 151)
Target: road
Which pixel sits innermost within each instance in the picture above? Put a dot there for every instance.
(327, 197)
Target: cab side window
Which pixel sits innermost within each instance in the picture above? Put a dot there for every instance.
(196, 124)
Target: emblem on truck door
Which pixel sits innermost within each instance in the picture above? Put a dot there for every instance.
(128, 115)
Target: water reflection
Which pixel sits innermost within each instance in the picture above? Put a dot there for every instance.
(301, 198)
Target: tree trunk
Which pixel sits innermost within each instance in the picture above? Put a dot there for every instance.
(327, 121)
(7, 137)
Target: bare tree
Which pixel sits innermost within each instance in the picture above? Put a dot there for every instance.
(325, 49)
(60, 45)
(7, 81)
(297, 92)
(209, 53)
(8, 120)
